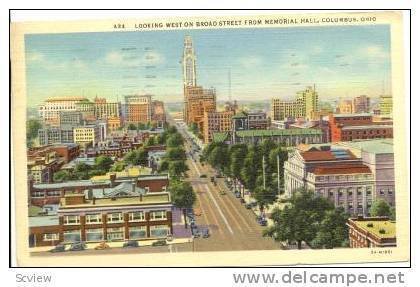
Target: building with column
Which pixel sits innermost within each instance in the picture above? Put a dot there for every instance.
(138, 109)
(351, 175)
(348, 127)
(305, 106)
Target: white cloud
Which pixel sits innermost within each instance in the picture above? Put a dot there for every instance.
(376, 52)
(35, 57)
(120, 59)
(114, 58)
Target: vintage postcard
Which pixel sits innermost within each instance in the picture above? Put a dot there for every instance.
(258, 140)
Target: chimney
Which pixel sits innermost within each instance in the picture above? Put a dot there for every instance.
(133, 186)
(90, 193)
(112, 178)
(141, 196)
(93, 200)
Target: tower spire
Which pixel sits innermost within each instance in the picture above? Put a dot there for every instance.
(188, 63)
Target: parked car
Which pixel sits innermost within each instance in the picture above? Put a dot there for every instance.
(131, 244)
(203, 175)
(58, 248)
(102, 246)
(197, 211)
(77, 246)
(242, 200)
(205, 233)
(212, 179)
(169, 238)
(196, 233)
(222, 192)
(262, 221)
(237, 194)
(161, 242)
(251, 204)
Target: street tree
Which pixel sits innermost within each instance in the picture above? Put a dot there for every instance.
(333, 231)
(174, 140)
(177, 168)
(103, 163)
(380, 208)
(183, 196)
(61, 175)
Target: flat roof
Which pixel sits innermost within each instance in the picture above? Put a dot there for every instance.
(386, 225)
(366, 127)
(47, 220)
(149, 198)
(375, 146)
(277, 132)
(352, 115)
(72, 183)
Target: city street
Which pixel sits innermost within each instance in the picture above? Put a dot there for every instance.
(231, 225)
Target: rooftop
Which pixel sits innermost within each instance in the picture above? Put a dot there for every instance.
(130, 172)
(277, 132)
(146, 199)
(374, 146)
(342, 169)
(366, 127)
(325, 155)
(60, 99)
(220, 136)
(352, 115)
(377, 225)
(50, 220)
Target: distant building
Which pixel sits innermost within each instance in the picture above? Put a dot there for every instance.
(52, 107)
(138, 109)
(42, 163)
(287, 137)
(371, 232)
(55, 135)
(386, 105)
(304, 106)
(250, 121)
(189, 63)
(89, 134)
(216, 122)
(70, 118)
(113, 123)
(348, 127)
(361, 104)
(158, 113)
(198, 101)
(345, 107)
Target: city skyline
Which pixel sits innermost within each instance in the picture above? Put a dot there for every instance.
(115, 64)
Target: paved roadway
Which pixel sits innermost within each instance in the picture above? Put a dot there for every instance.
(231, 225)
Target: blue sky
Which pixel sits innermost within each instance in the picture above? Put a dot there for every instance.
(264, 63)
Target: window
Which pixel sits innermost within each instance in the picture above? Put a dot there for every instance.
(115, 217)
(96, 234)
(159, 231)
(38, 194)
(51, 236)
(158, 215)
(389, 191)
(54, 193)
(71, 236)
(137, 232)
(136, 216)
(71, 219)
(115, 233)
(93, 218)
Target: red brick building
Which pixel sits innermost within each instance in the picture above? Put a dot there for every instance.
(348, 127)
(371, 232)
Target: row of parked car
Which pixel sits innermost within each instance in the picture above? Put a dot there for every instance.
(248, 205)
(80, 246)
(195, 229)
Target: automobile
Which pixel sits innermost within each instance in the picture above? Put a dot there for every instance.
(77, 246)
(251, 204)
(263, 222)
(242, 200)
(58, 248)
(218, 175)
(203, 175)
(130, 244)
(237, 194)
(196, 233)
(197, 212)
(193, 225)
(212, 179)
(169, 237)
(222, 192)
(161, 242)
(102, 246)
(205, 233)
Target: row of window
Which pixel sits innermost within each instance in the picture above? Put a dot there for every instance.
(116, 217)
(344, 177)
(38, 194)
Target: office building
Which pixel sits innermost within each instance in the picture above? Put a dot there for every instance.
(138, 109)
(371, 232)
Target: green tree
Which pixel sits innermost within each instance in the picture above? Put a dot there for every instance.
(380, 208)
(264, 196)
(300, 219)
(219, 157)
(132, 127)
(177, 168)
(183, 196)
(61, 175)
(333, 231)
(175, 140)
(103, 163)
(118, 166)
(164, 165)
(32, 127)
(251, 168)
(151, 141)
(176, 153)
(136, 157)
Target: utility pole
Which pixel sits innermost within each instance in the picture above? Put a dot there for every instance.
(278, 174)
(263, 163)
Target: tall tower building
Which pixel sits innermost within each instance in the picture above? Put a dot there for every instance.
(188, 63)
